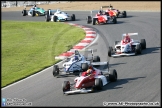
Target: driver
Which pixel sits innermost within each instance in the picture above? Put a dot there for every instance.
(34, 6)
(76, 58)
(127, 39)
(100, 12)
(89, 72)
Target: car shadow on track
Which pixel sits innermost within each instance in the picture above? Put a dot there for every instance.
(119, 82)
(151, 50)
(128, 16)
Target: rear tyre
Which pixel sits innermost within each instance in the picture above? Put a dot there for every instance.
(143, 43)
(109, 51)
(98, 84)
(84, 66)
(73, 17)
(89, 19)
(33, 13)
(80, 74)
(116, 42)
(94, 21)
(124, 14)
(24, 13)
(112, 75)
(47, 18)
(66, 86)
(96, 59)
(55, 70)
(114, 20)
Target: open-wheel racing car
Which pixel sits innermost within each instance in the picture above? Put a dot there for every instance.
(75, 64)
(34, 11)
(58, 16)
(86, 83)
(117, 13)
(101, 18)
(127, 46)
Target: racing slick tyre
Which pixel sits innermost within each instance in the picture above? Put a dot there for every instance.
(143, 43)
(66, 86)
(55, 70)
(116, 42)
(89, 19)
(24, 13)
(54, 18)
(80, 74)
(84, 66)
(73, 17)
(47, 18)
(49, 12)
(138, 49)
(112, 75)
(124, 14)
(96, 59)
(109, 51)
(67, 60)
(94, 21)
(33, 13)
(98, 84)
(114, 20)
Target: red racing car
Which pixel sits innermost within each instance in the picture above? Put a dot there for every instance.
(117, 13)
(89, 82)
(102, 18)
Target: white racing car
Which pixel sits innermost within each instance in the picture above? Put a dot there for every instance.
(58, 15)
(76, 64)
(127, 46)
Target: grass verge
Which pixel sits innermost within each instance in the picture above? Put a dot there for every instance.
(29, 47)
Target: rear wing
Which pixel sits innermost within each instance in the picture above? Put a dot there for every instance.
(130, 34)
(110, 6)
(85, 51)
(106, 7)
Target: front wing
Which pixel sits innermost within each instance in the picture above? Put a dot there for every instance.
(79, 91)
(122, 54)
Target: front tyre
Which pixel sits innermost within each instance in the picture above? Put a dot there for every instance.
(112, 75)
(55, 70)
(66, 86)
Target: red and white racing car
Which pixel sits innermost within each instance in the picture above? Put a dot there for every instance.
(127, 46)
(88, 83)
(101, 18)
(117, 13)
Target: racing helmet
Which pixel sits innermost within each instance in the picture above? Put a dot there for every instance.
(89, 71)
(126, 39)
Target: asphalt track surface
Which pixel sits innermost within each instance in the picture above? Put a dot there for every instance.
(139, 77)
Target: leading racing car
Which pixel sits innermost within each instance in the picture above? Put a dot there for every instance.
(34, 11)
(75, 64)
(127, 46)
(101, 18)
(58, 15)
(86, 83)
(117, 13)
